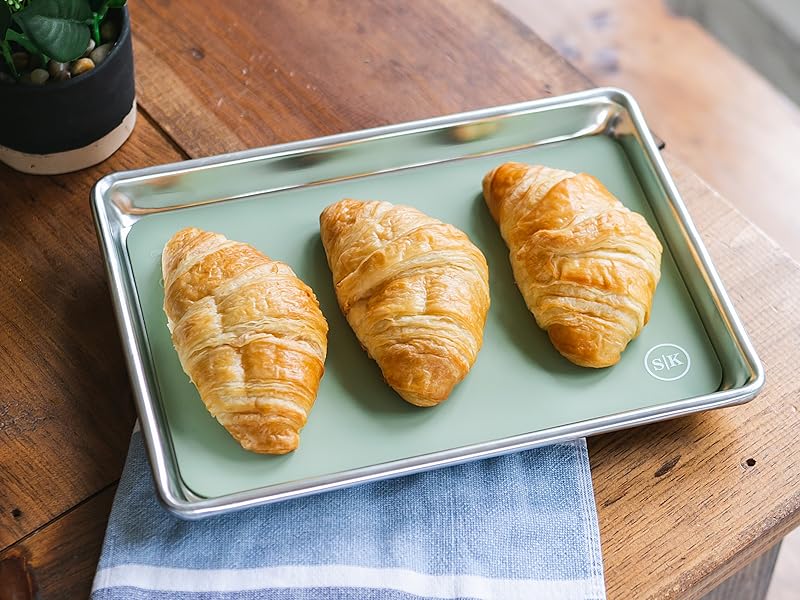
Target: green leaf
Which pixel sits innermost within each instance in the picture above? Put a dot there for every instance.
(6, 51)
(5, 19)
(19, 38)
(60, 28)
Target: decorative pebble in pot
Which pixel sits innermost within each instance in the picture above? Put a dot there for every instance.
(67, 97)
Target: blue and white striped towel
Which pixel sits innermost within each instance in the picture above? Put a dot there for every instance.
(522, 526)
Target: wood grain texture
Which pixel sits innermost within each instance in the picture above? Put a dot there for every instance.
(60, 559)
(721, 117)
(680, 507)
(65, 410)
(249, 74)
(16, 578)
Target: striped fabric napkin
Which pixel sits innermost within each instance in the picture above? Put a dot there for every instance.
(522, 526)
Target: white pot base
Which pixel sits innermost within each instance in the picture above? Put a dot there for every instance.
(71, 160)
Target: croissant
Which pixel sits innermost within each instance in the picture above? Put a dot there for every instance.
(249, 334)
(586, 265)
(414, 290)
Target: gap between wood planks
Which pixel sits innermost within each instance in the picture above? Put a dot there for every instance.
(58, 517)
(167, 137)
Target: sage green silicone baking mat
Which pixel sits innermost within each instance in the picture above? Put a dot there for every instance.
(519, 384)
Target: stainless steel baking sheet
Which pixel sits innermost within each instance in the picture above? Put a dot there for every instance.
(693, 356)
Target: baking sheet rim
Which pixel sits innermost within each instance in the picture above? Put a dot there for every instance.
(130, 321)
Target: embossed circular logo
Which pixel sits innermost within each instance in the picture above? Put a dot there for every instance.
(667, 362)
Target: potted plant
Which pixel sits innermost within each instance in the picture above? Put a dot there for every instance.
(67, 98)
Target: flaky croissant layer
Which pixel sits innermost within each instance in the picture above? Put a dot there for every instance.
(414, 290)
(586, 265)
(249, 334)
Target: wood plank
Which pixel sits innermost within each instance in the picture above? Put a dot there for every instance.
(716, 113)
(65, 410)
(59, 561)
(219, 81)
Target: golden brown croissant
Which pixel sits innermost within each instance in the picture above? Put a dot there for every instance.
(414, 290)
(249, 334)
(586, 265)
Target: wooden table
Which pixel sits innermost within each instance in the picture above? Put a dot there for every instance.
(682, 504)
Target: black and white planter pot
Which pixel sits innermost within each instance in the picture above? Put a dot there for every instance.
(66, 126)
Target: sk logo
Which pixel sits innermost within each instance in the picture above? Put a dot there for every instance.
(667, 362)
